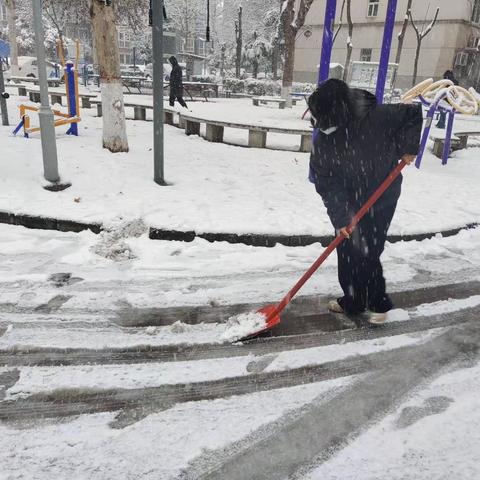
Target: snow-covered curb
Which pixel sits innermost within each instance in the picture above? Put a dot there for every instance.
(253, 239)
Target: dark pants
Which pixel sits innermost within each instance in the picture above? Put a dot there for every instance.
(359, 269)
(177, 97)
(441, 121)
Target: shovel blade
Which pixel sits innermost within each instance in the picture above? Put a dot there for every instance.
(272, 320)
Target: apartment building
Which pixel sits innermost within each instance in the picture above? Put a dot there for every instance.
(453, 43)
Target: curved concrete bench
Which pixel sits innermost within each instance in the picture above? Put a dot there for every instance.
(56, 96)
(140, 111)
(257, 135)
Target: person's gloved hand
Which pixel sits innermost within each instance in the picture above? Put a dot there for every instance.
(408, 159)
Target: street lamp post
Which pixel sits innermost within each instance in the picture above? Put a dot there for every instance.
(3, 97)
(157, 41)
(45, 114)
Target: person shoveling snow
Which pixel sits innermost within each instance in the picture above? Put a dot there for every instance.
(358, 144)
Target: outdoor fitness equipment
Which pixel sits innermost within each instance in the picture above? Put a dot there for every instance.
(327, 45)
(71, 87)
(441, 96)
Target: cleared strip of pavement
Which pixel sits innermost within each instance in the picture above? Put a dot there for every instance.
(260, 346)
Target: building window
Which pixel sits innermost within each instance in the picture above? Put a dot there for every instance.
(366, 55)
(476, 12)
(461, 60)
(201, 48)
(190, 45)
(123, 40)
(372, 8)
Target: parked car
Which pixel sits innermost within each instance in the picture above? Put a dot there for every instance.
(132, 71)
(28, 67)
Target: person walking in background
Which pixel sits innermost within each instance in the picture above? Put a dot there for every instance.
(176, 83)
(448, 75)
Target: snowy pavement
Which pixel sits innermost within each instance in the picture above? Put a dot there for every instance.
(215, 188)
(185, 418)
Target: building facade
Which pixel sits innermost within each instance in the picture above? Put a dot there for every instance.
(453, 43)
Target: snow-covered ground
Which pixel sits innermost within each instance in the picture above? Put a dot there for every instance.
(216, 187)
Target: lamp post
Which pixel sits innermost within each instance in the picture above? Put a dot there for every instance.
(3, 97)
(45, 114)
(157, 13)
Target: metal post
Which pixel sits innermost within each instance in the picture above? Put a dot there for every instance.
(327, 42)
(157, 40)
(3, 97)
(45, 114)
(386, 46)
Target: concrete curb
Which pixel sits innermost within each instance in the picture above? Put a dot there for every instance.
(260, 240)
(253, 239)
(46, 223)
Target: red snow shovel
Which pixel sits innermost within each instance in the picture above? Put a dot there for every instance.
(272, 312)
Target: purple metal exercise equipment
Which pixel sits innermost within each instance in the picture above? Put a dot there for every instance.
(327, 42)
(428, 125)
(386, 46)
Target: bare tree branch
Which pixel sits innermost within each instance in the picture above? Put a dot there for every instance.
(337, 31)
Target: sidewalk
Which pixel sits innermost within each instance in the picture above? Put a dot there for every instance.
(215, 188)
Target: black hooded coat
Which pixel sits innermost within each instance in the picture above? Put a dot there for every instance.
(176, 81)
(348, 165)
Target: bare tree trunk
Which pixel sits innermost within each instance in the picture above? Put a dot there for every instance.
(239, 43)
(401, 38)
(401, 35)
(12, 36)
(292, 20)
(106, 45)
(421, 34)
(276, 47)
(275, 55)
(222, 61)
(415, 63)
(349, 41)
(289, 35)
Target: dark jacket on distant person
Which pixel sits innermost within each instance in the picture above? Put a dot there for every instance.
(448, 75)
(357, 145)
(176, 81)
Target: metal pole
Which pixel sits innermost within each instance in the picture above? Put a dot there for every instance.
(386, 46)
(327, 42)
(45, 114)
(157, 40)
(3, 97)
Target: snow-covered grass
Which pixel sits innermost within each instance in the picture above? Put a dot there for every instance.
(215, 187)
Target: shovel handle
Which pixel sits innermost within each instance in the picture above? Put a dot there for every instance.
(338, 239)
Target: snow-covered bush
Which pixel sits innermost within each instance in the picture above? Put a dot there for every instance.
(303, 87)
(204, 78)
(262, 87)
(235, 85)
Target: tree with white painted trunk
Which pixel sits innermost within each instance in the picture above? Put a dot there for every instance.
(106, 46)
(12, 35)
(292, 17)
